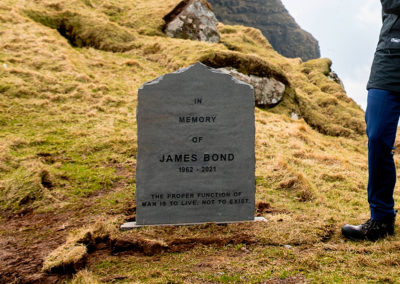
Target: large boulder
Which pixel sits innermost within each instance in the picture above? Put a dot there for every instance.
(192, 19)
(267, 91)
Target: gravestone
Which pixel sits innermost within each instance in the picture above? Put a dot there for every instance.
(196, 160)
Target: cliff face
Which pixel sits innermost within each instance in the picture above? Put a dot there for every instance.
(272, 18)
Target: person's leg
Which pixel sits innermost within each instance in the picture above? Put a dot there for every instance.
(382, 117)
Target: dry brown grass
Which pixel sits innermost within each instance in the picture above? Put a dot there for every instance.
(85, 277)
(65, 259)
(246, 64)
(86, 31)
(29, 183)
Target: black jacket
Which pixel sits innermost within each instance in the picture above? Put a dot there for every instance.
(385, 71)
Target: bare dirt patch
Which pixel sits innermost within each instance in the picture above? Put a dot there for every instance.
(25, 241)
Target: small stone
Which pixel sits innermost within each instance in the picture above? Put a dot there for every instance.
(61, 228)
(5, 66)
(288, 246)
(333, 76)
(295, 116)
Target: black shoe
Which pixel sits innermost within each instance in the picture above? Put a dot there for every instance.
(371, 230)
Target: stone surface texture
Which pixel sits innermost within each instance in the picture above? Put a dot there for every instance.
(267, 91)
(335, 78)
(192, 19)
(196, 159)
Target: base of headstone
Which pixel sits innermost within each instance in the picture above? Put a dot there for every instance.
(132, 225)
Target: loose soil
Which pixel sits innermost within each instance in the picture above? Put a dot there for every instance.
(26, 240)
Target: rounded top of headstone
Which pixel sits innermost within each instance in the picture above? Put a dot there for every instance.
(197, 69)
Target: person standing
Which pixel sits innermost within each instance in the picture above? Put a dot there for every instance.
(382, 118)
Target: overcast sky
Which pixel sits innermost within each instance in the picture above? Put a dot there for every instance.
(347, 31)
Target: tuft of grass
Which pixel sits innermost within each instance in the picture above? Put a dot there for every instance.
(331, 177)
(297, 182)
(71, 256)
(100, 231)
(317, 66)
(334, 120)
(66, 258)
(85, 277)
(86, 31)
(244, 63)
(26, 186)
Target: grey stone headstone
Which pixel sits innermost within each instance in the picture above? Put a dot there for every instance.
(196, 159)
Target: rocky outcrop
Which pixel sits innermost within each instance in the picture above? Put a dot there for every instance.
(267, 91)
(335, 78)
(192, 19)
(272, 18)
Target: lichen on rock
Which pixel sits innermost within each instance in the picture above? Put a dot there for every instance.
(192, 19)
(267, 91)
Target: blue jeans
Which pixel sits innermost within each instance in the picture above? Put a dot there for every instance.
(382, 117)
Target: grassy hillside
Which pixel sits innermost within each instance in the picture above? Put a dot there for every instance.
(69, 75)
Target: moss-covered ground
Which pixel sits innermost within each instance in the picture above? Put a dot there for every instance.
(69, 75)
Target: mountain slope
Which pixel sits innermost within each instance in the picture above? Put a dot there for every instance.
(69, 75)
(272, 18)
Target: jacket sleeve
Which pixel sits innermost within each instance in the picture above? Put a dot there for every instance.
(391, 6)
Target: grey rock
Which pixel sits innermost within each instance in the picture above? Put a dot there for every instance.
(196, 158)
(192, 19)
(295, 116)
(267, 91)
(335, 78)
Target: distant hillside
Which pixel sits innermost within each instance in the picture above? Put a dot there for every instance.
(272, 18)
